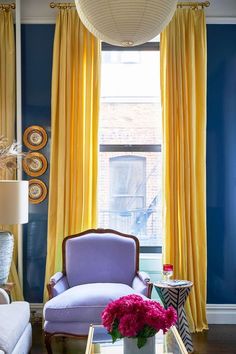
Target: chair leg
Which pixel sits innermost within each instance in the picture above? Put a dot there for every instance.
(47, 340)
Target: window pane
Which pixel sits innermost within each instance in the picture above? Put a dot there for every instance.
(131, 205)
(127, 174)
(128, 74)
(130, 105)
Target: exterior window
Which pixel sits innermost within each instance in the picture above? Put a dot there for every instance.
(130, 144)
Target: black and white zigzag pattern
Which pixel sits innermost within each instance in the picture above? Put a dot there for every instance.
(176, 297)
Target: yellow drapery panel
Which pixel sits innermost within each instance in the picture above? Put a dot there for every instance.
(7, 117)
(183, 89)
(74, 143)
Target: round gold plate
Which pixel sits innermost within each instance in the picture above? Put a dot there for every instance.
(35, 164)
(37, 191)
(35, 137)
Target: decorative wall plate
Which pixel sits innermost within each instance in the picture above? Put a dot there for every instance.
(35, 137)
(37, 191)
(35, 164)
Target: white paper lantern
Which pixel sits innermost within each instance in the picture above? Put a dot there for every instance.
(125, 23)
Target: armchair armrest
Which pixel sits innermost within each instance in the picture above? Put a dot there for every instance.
(57, 285)
(142, 284)
(4, 297)
(144, 277)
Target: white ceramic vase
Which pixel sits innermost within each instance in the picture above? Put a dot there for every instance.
(6, 250)
(130, 346)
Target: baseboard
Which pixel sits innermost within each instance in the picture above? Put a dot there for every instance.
(216, 313)
(221, 313)
(36, 311)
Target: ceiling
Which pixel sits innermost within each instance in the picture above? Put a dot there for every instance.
(35, 11)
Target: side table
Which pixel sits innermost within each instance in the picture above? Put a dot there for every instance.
(7, 287)
(176, 296)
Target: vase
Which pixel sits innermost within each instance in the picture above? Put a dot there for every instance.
(6, 250)
(130, 346)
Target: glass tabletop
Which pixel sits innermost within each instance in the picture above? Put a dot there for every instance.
(99, 342)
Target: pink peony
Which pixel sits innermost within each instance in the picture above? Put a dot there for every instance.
(171, 317)
(129, 325)
(107, 320)
(155, 319)
(109, 315)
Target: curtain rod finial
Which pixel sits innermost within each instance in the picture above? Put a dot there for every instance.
(7, 7)
(193, 5)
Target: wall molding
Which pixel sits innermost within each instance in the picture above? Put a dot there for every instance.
(44, 20)
(152, 256)
(220, 20)
(36, 311)
(221, 313)
(216, 313)
(38, 20)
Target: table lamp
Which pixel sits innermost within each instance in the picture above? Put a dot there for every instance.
(13, 210)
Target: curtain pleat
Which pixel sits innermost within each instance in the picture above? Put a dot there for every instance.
(183, 89)
(74, 140)
(7, 119)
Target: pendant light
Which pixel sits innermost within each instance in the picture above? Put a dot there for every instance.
(125, 23)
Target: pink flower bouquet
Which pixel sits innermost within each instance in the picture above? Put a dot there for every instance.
(132, 316)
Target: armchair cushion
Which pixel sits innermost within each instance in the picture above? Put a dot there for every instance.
(14, 319)
(96, 258)
(74, 328)
(84, 303)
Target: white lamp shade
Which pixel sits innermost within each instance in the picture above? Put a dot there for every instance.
(14, 202)
(125, 23)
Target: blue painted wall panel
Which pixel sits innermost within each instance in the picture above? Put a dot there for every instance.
(37, 46)
(221, 163)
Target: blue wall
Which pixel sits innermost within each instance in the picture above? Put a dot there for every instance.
(221, 163)
(37, 42)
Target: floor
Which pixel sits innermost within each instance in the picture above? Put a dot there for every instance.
(220, 339)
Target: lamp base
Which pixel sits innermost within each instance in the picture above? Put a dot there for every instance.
(6, 251)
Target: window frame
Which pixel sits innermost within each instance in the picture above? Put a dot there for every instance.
(149, 46)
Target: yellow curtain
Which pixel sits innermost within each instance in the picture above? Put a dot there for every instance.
(7, 117)
(74, 143)
(7, 77)
(183, 88)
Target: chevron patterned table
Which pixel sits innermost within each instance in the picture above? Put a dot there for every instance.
(176, 296)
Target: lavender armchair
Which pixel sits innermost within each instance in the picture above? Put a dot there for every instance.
(98, 266)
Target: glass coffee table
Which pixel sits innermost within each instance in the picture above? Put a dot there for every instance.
(99, 342)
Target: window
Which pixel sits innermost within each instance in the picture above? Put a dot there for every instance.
(130, 144)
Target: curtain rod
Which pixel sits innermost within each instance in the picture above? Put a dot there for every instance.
(61, 5)
(193, 5)
(7, 7)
